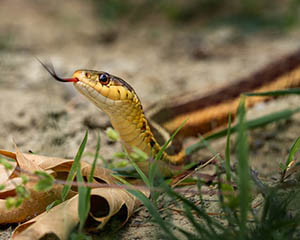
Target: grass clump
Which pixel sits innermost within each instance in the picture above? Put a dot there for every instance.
(237, 218)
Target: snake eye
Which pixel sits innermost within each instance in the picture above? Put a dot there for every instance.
(104, 78)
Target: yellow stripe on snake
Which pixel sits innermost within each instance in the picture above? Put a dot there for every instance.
(119, 101)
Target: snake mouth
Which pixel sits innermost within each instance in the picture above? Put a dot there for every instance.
(91, 93)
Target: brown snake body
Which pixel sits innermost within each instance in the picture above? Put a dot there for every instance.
(206, 113)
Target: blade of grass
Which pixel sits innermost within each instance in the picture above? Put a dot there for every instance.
(83, 204)
(139, 171)
(229, 212)
(150, 206)
(227, 150)
(258, 122)
(294, 149)
(95, 159)
(275, 93)
(74, 168)
(84, 192)
(71, 175)
(163, 148)
(243, 168)
(153, 170)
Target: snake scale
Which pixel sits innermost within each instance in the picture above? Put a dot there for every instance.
(120, 102)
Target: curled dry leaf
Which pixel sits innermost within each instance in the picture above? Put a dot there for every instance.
(37, 202)
(31, 207)
(42, 162)
(108, 203)
(59, 221)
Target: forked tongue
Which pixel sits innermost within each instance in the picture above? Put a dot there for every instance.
(50, 69)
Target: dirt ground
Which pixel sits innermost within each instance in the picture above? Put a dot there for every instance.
(156, 58)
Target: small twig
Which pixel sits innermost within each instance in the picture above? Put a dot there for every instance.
(195, 170)
(257, 204)
(35, 178)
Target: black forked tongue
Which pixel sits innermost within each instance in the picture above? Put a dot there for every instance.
(50, 69)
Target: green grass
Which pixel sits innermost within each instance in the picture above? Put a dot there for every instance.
(277, 218)
(84, 192)
(227, 150)
(242, 153)
(294, 149)
(71, 175)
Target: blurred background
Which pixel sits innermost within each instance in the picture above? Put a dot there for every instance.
(162, 48)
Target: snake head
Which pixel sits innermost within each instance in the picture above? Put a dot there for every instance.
(95, 83)
(106, 91)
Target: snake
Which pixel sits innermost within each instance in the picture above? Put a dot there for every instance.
(119, 101)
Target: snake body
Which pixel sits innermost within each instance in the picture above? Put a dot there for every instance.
(120, 102)
(206, 113)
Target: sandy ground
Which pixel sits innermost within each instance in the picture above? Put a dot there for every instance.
(156, 58)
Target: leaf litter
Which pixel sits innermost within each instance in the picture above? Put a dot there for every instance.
(106, 202)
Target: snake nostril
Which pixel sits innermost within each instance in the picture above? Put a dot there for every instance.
(88, 75)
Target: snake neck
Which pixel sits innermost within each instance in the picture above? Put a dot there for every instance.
(135, 132)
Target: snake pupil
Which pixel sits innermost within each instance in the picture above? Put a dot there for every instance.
(103, 78)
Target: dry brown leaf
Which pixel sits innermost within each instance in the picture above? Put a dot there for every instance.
(37, 202)
(24, 163)
(8, 154)
(63, 165)
(42, 161)
(60, 220)
(21, 160)
(106, 203)
(31, 207)
(5, 174)
(101, 175)
(10, 187)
